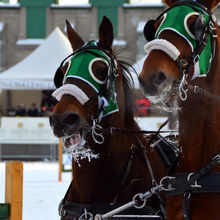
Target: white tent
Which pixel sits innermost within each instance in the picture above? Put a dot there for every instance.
(37, 70)
(138, 67)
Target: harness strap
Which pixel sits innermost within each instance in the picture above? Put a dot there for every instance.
(204, 92)
(195, 183)
(114, 130)
(186, 206)
(154, 182)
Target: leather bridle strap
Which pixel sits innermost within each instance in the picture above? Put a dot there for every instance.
(204, 92)
(114, 130)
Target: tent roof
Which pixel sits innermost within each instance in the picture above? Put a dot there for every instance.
(138, 67)
(36, 71)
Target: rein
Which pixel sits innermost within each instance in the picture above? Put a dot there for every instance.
(204, 92)
(185, 86)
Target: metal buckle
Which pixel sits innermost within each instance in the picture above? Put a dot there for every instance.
(212, 29)
(217, 157)
(115, 72)
(183, 63)
(196, 185)
(168, 186)
(86, 215)
(62, 211)
(196, 58)
(196, 89)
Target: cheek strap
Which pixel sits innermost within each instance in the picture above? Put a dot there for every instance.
(69, 89)
(164, 45)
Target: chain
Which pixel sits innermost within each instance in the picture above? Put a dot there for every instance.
(96, 132)
(182, 90)
(140, 199)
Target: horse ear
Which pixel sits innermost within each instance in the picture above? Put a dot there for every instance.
(169, 2)
(75, 40)
(211, 4)
(106, 34)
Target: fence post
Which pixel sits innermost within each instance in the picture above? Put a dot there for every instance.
(14, 189)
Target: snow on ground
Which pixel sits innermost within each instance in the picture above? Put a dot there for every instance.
(41, 190)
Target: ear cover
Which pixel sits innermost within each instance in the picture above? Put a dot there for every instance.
(149, 30)
(200, 27)
(58, 78)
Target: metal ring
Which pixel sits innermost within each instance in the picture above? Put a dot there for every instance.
(169, 187)
(196, 185)
(183, 62)
(144, 199)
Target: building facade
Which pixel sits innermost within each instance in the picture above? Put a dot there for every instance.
(35, 19)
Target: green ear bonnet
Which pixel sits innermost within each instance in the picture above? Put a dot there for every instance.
(80, 67)
(176, 20)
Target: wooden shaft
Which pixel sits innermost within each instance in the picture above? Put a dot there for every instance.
(14, 189)
(60, 159)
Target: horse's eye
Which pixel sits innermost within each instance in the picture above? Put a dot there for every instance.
(98, 69)
(189, 23)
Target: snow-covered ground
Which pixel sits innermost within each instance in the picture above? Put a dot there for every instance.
(42, 191)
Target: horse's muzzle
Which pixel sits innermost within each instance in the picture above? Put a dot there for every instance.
(152, 85)
(65, 124)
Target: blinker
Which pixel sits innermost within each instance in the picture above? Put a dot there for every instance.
(149, 30)
(58, 78)
(200, 27)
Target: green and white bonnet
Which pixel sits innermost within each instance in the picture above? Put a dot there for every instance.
(176, 20)
(80, 67)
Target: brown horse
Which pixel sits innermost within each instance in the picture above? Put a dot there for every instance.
(95, 94)
(177, 39)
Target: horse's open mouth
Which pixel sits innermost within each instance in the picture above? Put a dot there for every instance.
(76, 145)
(74, 141)
(166, 97)
(164, 93)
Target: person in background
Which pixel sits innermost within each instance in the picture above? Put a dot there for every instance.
(33, 111)
(45, 112)
(20, 111)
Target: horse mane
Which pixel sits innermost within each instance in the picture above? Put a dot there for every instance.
(128, 86)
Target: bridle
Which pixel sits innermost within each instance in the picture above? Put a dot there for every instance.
(106, 91)
(202, 33)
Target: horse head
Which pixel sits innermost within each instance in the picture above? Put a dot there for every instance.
(86, 88)
(180, 45)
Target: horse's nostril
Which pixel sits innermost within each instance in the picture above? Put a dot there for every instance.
(161, 76)
(158, 78)
(71, 119)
